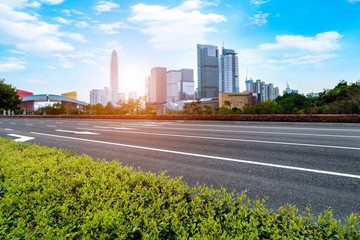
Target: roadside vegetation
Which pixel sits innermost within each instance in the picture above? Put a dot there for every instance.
(55, 194)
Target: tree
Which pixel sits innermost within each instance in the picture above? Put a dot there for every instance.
(267, 107)
(132, 106)
(98, 109)
(208, 109)
(109, 108)
(193, 108)
(293, 102)
(9, 98)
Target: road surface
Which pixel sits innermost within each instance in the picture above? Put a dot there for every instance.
(295, 163)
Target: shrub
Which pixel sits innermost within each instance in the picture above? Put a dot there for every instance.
(55, 194)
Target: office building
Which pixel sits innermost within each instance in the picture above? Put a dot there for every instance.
(173, 78)
(147, 89)
(180, 85)
(250, 86)
(208, 71)
(157, 85)
(238, 100)
(289, 90)
(228, 72)
(114, 72)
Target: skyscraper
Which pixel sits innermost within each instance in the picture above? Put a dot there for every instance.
(208, 71)
(158, 85)
(114, 72)
(228, 72)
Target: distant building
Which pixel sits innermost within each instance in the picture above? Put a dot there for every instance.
(238, 100)
(26, 105)
(288, 90)
(208, 71)
(133, 95)
(250, 87)
(121, 96)
(70, 95)
(186, 87)
(228, 72)
(276, 92)
(173, 78)
(158, 85)
(180, 85)
(147, 89)
(312, 94)
(102, 96)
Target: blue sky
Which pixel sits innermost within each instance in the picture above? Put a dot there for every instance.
(56, 46)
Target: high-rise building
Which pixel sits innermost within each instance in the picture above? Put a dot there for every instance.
(121, 96)
(158, 85)
(186, 87)
(250, 86)
(289, 90)
(180, 85)
(147, 89)
(276, 92)
(208, 71)
(114, 72)
(228, 72)
(173, 78)
(97, 96)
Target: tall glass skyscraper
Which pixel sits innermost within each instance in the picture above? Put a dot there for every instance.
(228, 72)
(208, 71)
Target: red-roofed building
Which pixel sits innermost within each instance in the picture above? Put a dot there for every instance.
(26, 105)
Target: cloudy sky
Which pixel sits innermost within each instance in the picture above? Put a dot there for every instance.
(56, 46)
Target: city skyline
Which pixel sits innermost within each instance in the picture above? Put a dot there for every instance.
(58, 46)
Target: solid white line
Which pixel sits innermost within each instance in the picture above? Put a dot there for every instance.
(241, 131)
(7, 129)
(245, 126)
(230, 139)
(206, 156)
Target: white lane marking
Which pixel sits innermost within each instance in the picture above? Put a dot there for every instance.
(21, 138)
(59, 122)
(206, 156)
(7, 129)
(77, 132)
(29, 124)
(83, 124)
(52, 126)
(117, 128)
(290, 128)
(243, 131)
(234, 139)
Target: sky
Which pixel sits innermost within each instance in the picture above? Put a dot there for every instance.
(57, 46)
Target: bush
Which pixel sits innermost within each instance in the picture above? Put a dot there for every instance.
(55, 194)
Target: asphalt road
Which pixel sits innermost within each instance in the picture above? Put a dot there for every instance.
(295, 163)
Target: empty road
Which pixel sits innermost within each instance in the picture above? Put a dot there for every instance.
(296, 163)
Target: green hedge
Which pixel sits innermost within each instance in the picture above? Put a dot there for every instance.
(55, 194)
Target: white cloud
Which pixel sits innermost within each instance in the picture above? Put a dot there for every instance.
(259, 19)
(259, 2)
(11, 67)
(62, 20)
(291, 50)
(68, 12)
(105, 6)
(326, 41)
(17, 52)
(52, 2)
(77, 37)
(353, 1)
(175, 28)
(50, 67)
(110, 28)
(28, 33)
(81, 24)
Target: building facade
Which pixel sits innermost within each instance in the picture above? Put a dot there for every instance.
(133, 95)
(208, 71)
(157, 85)
(228, 72)
(173, 78)
(238, 100)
